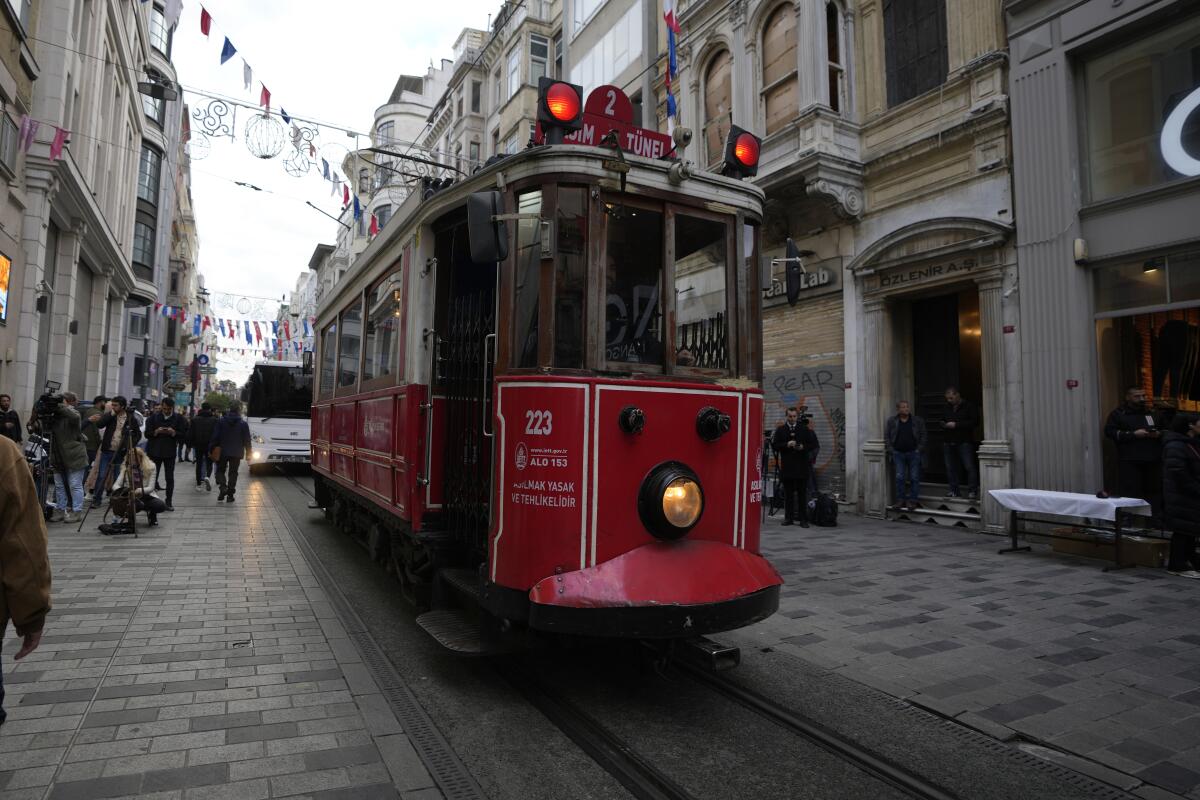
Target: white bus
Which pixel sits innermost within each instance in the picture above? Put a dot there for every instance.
(278, 402)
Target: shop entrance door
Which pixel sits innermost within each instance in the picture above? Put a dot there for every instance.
(946, 352)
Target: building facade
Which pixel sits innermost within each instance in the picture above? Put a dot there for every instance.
(180, 340)
(885, 159)
(18, 71)
(79, 234)
(1107, 154)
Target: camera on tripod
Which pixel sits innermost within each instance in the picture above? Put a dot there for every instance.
(47, 405)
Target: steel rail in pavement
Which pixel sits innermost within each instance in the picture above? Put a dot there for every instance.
(875, 765)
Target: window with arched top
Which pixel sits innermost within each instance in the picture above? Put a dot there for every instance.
(718, 98)
(779, 81)
(837, 67)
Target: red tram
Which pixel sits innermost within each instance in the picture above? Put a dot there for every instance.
(540, 387)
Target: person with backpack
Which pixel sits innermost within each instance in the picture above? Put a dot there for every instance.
(231, 441)
(199, 435)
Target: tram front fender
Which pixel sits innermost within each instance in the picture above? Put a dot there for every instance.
(659, 590)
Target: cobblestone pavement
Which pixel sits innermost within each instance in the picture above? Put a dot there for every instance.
(201, 660)
(1035, 647)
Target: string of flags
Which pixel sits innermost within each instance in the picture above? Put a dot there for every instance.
(673, 30)
(27, 134)
(267, 334)
(228, 51)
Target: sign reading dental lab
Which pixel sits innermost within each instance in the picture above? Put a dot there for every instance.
(1171, 140)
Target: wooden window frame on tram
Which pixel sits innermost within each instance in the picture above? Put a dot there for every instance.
(741, 315)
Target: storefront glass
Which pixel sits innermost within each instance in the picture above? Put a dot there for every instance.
(1130, 93)
(1156, 280)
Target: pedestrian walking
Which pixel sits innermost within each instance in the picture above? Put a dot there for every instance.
(1181, 493)
(24, 562)
(958, 442)
(68, 455)
(904, 438)
(230, 442)
(1139, 449)
(118, 430)
(91, 433)
(10, 421)
(792, 441)
(165, 429)
(134, 473)
(200, 433)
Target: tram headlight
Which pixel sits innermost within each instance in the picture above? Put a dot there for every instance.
(671, 500)
(257, 454)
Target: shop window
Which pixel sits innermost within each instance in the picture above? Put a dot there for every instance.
(328, 359)
(1156, 280)
(916, 57)
(528, 262)
(382, 335)
(349, 345)
(718, 93)
(632, 277)
(570, 277)
(1155, 352)
(1129, 94)
(779, 83)
(701, 261)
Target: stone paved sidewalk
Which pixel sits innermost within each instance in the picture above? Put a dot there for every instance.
(1042, 647)
(201, 660)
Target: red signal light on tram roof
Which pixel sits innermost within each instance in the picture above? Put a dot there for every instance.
(563, 102)
(741, 153)
(560, 108)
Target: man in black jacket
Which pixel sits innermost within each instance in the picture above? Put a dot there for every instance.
(958, 442)
(164, 429)
(1181, 492)
(792, 442)
(10, 423)
(1139, 448)
(199, 434)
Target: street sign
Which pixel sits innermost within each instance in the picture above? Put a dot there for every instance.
(183, 398)
(208, 370)
(202, 360)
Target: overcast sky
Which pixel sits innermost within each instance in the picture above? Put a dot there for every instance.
(331, 61)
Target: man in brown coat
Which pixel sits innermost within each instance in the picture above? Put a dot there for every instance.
(24, 563)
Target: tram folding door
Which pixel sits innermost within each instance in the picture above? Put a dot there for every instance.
(466, 348)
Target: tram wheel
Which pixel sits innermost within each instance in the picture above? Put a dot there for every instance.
(378, 542)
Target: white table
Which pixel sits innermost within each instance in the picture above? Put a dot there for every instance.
(1068, 504)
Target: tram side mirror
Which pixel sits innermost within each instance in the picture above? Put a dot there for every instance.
(306, 365)
(488, 236)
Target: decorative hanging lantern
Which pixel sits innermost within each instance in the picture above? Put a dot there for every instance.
(198, 146)
(265, 136)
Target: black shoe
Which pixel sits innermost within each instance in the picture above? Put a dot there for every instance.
(96, 502)
(170, 507)
(153, 519)
(221, 494)
(229, 497)
(786, 522)
(803, 524)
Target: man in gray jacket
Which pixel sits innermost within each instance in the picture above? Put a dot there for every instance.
(68, 454)
(905, 439)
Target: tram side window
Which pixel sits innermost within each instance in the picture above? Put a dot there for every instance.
(382, 335)
(570, 280)
(349, 346)
(328, 359)
(701, 324)
(528, 274)
(632, 277)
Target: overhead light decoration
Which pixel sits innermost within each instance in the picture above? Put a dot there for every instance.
(158, 87)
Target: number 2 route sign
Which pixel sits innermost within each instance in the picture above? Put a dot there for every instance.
(608, 109)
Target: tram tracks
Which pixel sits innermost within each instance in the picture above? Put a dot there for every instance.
(638, 771)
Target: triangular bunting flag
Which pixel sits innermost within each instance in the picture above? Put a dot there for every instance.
(264, 98)
(205, 21)
(227, 50)
(247, 74)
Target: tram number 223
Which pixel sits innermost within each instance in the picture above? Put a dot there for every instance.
(539, 423)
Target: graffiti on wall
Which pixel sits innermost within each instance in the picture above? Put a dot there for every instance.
(822, 389)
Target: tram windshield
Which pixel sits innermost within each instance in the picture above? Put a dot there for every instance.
(633, 310)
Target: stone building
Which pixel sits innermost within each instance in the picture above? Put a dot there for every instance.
(1106, 132)
(180, 342)
(18, 71)
(82, 236)
(885, 158)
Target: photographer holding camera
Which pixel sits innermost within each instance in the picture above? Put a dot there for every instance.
(119, 430)
(68, 454)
